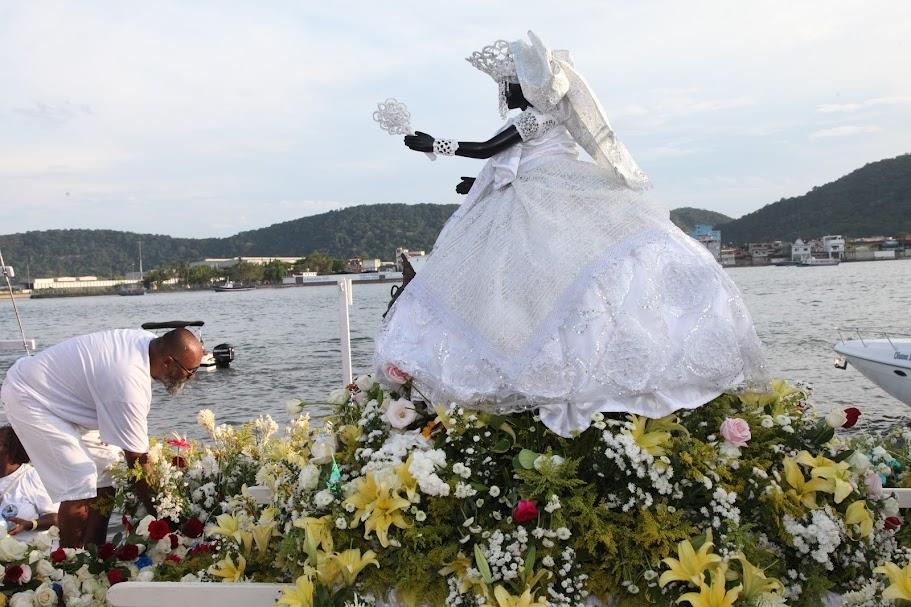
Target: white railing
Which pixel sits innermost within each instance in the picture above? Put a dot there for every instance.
(870, 333)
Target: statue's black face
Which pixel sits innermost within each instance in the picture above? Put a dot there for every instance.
(514, 97)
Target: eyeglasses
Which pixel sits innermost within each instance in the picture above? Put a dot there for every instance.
(190, 372)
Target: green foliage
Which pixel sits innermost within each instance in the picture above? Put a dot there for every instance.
(874, 200)
(687, 218)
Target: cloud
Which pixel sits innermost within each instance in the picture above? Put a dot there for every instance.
(853, 107)
(53, 115)
(844, 131)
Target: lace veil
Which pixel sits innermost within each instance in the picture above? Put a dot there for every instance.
(547, 77)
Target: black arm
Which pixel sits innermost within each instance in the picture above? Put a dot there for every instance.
(422, 142)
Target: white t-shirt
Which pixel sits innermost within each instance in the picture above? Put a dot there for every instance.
(98, 381)
(23, 489)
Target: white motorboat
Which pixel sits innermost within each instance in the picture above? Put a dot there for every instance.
(819, 261)
(883, 357)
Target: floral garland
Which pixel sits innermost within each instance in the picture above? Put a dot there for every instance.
(750, 500)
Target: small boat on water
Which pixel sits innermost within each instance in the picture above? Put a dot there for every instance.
(230, 286)
(819, 261)
(132, 289)
(883, 357)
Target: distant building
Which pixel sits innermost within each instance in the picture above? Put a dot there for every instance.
(298, 278)
(371, 265)
(800, 251)
(81, 282)
(834, 246)
(710, 239)
(729, 257)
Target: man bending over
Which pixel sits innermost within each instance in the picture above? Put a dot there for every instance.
(74, 407)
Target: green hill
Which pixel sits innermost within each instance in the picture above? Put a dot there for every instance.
(687, 218)
(873, 200)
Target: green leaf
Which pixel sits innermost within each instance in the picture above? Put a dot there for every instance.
(117, 537)
(483, 566)
(842, 456)
(825, 436)
(527, 458)
(530, 561)
(502, 446)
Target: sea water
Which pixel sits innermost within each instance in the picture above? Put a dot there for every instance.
(288, 346)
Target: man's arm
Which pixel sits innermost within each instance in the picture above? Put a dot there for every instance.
(141, 485)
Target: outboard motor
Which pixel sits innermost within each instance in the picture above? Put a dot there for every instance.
(224, 355)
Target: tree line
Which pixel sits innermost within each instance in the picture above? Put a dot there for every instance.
(242, 272)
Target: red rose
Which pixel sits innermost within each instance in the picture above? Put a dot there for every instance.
(128, 552)
(173, 557)
(851, 415)
(200, 549)
(158, 529)
(525, 511)
(58, 556)
(126, 523)
(115, 576)
(893, 522)
(106, 551)
(13, 574)
(178, 462)
(175, 541)
(193, 527)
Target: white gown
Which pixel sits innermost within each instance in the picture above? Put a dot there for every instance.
(557, 287)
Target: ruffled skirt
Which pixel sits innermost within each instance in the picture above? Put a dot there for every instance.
(570, 293)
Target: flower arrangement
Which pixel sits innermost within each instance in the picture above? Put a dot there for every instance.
(752, 499)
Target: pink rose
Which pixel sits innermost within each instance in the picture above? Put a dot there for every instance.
(874, 484)
(525, 511)
(395, 375)
(736, 431)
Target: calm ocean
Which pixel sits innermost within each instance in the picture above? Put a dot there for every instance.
(288, 347)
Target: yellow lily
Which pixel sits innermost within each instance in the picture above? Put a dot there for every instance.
(349, 434)
(505, 599)
(350, 563)
(857, 514)
(227, 570)
(690, 565)
(899, 581)
(755, 581)
(227, 525)
(836, 474)
(379, 508)
(299, 595)
(318, 531)
(459, 567)
(649, 440)
(409, 483)
(715, 595)
(780, 391)
(802, 490)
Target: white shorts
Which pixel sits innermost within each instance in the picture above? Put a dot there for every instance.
(71, 460)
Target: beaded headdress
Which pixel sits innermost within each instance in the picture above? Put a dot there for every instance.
(496, 61)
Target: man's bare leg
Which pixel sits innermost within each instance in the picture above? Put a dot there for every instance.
(72, 517)
(96, 527)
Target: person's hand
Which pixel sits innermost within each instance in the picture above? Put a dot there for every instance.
(419, 142)
(464, 186)
(21, 525)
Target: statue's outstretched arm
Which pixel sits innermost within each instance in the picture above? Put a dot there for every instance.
(422, 142)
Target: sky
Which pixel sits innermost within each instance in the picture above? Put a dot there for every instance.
(207, 118)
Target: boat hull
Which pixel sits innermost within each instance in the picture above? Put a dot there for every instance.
(886, 363)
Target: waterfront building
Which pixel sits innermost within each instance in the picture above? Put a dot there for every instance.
(729, 257)
(221, 263)
(800, 251)
(710, 239)
(834, 246)
(73, 283)
(407, 253)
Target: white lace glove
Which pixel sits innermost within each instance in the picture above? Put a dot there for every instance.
(445, 147)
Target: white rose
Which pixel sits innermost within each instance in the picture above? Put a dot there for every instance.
(43, 540)
(90, 586)
(22, 599)
(44, 596)
(71, 586)
(143, 527)
(364, 382)
(85, 600)
(836, 418)
(12, 549)
(890, 507)
(859, 462)
(309, 478)
(189, 578)
(35, 555)
(294, 407)
(400, 413)
(323, 498)
(323, 449)
(45, 569)
(146, 575)
(339, 397)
